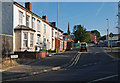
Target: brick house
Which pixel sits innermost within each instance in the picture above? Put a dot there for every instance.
(93, 38)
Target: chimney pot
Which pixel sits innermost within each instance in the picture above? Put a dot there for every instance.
(44, 17)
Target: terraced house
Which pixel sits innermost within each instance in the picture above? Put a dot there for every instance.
(31, 32)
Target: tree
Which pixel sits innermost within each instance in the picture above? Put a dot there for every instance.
(97, 33)
(81, 34)
(65, 34)
(103, 37)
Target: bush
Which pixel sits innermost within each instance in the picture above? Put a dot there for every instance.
(44, 49)
(50, 50)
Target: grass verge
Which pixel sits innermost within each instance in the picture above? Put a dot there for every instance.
(6, 62)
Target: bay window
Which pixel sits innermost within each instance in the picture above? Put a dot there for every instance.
(31, 39)
(25, 40)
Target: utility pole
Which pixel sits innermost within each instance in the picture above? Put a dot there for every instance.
(57, 25)
(108, 31)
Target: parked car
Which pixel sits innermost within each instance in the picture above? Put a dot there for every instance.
(83, 46)
(70, 45)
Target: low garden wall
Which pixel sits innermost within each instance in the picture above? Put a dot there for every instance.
(32, 55)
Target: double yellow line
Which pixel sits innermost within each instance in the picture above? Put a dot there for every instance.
(75, 61)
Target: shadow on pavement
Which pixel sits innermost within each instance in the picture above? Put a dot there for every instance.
(38, 65)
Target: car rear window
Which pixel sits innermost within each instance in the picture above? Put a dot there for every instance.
(83, 45)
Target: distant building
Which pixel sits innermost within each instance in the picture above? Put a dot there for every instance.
(93, 38)
(67, 38)
(116, 37)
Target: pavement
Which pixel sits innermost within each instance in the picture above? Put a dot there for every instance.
(87, 67)
(114, 53)
(43, 65)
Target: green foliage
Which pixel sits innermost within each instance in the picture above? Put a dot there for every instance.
(40, 50)
(81, 34)
(103, 37)
(65, 34)
(44, 49)
(50, 50)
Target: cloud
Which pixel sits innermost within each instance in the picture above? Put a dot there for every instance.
(99, 9)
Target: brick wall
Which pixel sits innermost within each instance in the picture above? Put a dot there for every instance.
(32, 55)
(56, 43)
(92, 37)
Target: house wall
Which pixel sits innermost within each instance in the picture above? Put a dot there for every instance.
(47, 35)
(18, 36)
(93, 38)
(17, 40)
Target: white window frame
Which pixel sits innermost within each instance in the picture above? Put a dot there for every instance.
(20, 17)
(44, 42)
(27, 20)
(31, 39)
(44, 28)
(33, 22)
(25, 39)
(38, 25)
(38, 40)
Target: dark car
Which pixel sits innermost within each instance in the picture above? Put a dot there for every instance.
(83, 46)
(70, 45)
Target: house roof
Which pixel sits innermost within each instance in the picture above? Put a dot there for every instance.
(17, 4)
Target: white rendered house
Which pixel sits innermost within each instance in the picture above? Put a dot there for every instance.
(31, 32)
(27, 30)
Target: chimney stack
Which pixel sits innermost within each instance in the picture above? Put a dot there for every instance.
(53, 23)
(28, 5)
(44, 17)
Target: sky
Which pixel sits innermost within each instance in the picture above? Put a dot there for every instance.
(91, 15)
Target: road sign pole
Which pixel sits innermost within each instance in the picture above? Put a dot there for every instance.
(111, 35)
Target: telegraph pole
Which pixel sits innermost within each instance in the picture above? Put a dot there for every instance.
(108, 31)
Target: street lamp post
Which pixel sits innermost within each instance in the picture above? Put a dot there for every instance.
(108, 31)
(57, 24)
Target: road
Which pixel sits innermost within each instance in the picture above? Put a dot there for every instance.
(91, 66)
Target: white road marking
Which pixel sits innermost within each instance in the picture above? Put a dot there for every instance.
(103, 78)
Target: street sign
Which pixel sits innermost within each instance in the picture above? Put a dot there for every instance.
(111, 35)
(14, 56)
